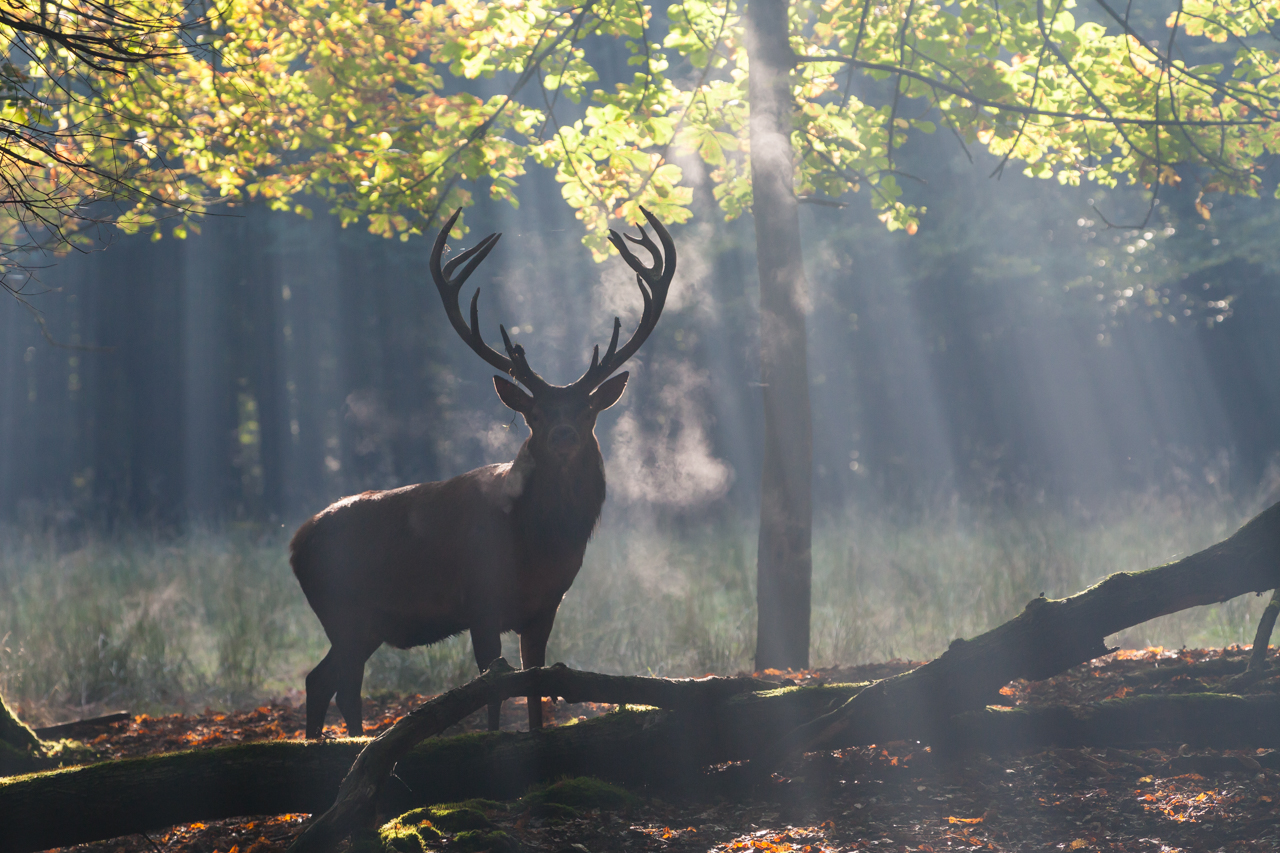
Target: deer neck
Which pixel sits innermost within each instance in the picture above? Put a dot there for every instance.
(559, 503)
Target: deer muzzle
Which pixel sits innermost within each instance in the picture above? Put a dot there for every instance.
(562, 438)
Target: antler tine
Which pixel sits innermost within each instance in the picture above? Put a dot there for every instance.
(474, 329)
(437, 250)
(480, 251)
(643, 240)
(520, 368)
(449, 289)
(658, 280)
(613, 342)
(632, 261)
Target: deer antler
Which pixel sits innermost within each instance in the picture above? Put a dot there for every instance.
(514, 362)
(654, 281)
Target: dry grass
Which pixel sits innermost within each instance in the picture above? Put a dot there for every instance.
(215, 617)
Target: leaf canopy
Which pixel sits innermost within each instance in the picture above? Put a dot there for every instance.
(375, 109)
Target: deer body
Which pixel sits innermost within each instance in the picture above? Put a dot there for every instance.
(489, 551)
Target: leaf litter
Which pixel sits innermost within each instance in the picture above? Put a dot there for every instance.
(887, 797)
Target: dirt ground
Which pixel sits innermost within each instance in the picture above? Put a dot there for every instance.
(888, 797)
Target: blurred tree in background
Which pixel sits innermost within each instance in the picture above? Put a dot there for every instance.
(67, 160)
(372, 109)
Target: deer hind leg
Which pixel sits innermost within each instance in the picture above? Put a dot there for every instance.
(350, 678)
(322, 683)
(533, 652)
(487, 645)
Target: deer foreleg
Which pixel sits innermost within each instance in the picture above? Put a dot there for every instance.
(533, 652)
(487, 645)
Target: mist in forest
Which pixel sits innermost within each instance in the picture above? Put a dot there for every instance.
(1018, 398)
(274, 363)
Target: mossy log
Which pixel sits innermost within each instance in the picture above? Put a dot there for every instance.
(58, 808)
(663, 748)
(360, 790)
(666, 751)
(1048, 637)
(20, 750)
(1215, 720)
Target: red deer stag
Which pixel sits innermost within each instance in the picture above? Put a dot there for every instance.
(490, 551)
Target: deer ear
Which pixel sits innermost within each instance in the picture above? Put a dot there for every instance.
(512, 396)
(609, 392)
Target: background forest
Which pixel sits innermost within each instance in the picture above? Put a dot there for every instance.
(1017, 399)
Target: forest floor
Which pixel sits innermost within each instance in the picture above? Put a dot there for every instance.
(894, 796)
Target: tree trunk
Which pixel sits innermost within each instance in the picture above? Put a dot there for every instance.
(785, 566)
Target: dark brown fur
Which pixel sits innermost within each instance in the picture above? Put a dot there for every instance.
(490, 551)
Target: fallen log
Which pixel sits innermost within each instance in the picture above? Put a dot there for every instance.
(666, 751)
(1216, 720)
(360, 790)
(58, 808)
(77, 728)
(662, 748)
(1048, 637)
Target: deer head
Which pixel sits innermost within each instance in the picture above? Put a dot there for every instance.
(561, 418)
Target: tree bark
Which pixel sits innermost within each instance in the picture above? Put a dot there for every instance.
(1197, 719)
(13, 731)
(1257, 668)
(1262, 638)
(20, 750)
(784, 564)
(79, 728)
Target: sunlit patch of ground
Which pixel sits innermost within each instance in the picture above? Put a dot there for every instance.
(792, 839)
(286, 720)
(244, 835)
(1195, 799)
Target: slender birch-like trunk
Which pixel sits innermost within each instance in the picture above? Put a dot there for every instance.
(785, 565)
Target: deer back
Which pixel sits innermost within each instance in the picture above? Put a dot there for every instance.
(425, 560)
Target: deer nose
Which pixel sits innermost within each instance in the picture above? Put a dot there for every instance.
(562, 437)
